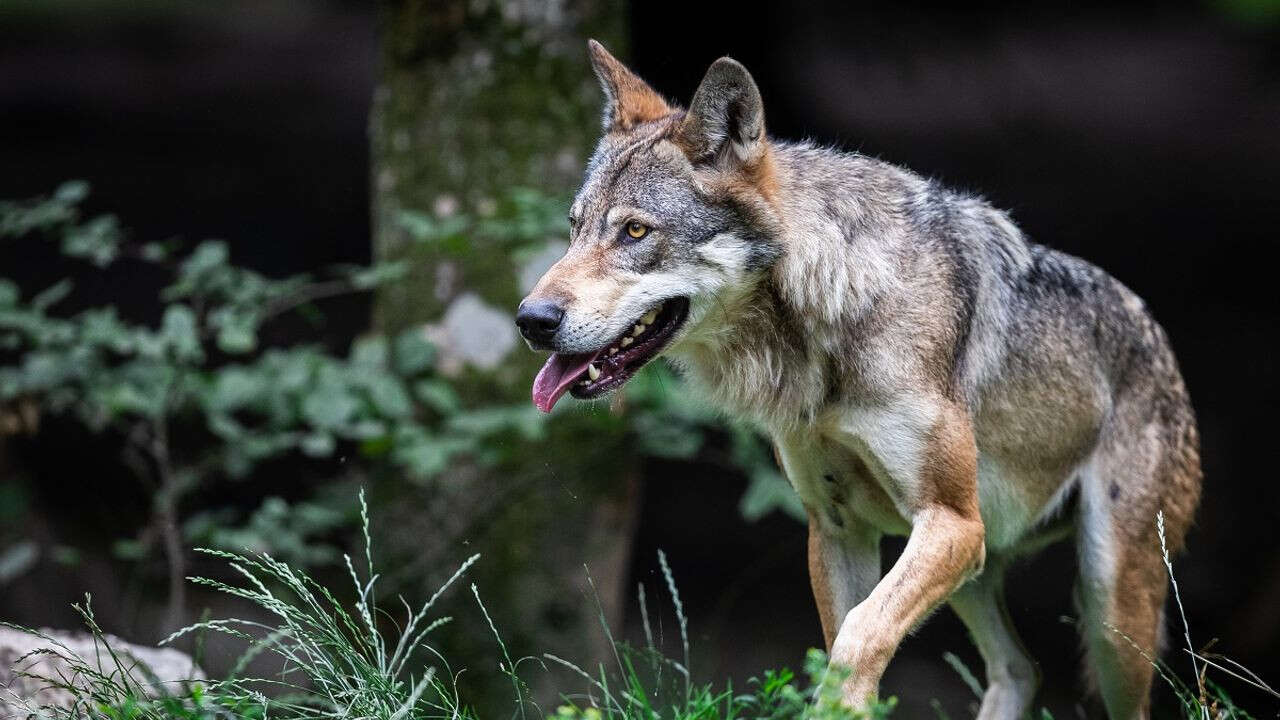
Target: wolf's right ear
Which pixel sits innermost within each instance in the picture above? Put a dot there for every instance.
(628, 100)
(726, 114)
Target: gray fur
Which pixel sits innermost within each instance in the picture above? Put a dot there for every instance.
(846, 306)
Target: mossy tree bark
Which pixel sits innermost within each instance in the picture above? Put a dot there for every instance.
(474, 99)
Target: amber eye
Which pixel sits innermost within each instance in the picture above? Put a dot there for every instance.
(636, 230)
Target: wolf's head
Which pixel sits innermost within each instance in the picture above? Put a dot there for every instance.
(676, 214)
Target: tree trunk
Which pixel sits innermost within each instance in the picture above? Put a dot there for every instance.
(473, 99)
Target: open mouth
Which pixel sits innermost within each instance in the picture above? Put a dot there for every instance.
(590, 375)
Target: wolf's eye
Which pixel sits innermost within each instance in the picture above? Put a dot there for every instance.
(636, 230)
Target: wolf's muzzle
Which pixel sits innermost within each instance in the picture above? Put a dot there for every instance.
(539, 320)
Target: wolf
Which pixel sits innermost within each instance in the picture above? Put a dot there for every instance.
(921, 368)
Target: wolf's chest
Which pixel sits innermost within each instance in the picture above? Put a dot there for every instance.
(840, 487)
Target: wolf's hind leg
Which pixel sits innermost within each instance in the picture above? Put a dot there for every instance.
(1012, 676)
(1136, 474)
(1121, 596)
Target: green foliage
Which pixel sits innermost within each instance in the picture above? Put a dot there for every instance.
(357, 660)
(776, 695)
(337, 663)
(340, 661)
(202, 368)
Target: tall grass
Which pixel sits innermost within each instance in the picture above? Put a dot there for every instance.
(648, 685)
(337, 663)
(1206, 699)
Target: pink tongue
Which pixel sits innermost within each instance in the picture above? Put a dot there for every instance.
(556, 377)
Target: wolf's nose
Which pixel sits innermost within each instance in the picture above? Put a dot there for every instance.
(539, 320)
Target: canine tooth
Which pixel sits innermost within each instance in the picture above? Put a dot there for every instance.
(593, 372)
(637, 330)
(625, 341)
(650, 317)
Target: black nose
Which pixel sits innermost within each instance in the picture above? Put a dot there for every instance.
(539, 320)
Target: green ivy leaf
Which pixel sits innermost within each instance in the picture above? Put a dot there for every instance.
(318, 444)
(233, 388)
(329, 408)
(437, 395)
(370, 353)
(51, 296)
(8, 293)
(238, 333)
(389, 397)
(178, 328)
(413, 354)
(766, 492)
(97, 241)
(377, 275)
(72, 192)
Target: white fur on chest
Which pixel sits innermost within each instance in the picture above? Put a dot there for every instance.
(863, 465)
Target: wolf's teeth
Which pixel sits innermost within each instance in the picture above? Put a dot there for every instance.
(625, 341)
(650, 317)
(637, 330)
(593, 372)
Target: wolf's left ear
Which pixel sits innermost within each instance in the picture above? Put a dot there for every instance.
(629, 101)
(726, 114)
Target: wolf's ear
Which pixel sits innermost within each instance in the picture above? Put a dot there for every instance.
(628, 100)
(726, 114)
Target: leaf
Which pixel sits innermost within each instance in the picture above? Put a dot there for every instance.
(370, 353)
(102, 328)
(366, 430)
(663, 436)
(377, 275)
(424, 228)
(234, 387)
(72, 191)
(128, 549)
(318, 444)
(178, 328)
(437, 395)
(389, 397)
(526, 420)
(766, 492)
(97, 241)
(194, 273)
(126, 398)
(426, 456)
(41, 371)
(238, 333)
(329, 408)
(9, 293)
(154, 252)
(51, 296)
(413, 353)
(207, 256)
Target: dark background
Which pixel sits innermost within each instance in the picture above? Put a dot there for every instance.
(1144, 137)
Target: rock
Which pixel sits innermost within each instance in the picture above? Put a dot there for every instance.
(164, 666)
(473, 333)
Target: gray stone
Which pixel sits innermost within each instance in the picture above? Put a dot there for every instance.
(146, 665)
(473, 333)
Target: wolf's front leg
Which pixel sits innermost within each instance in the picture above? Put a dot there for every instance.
(945, 548)
(844, 553)
(844, 565)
